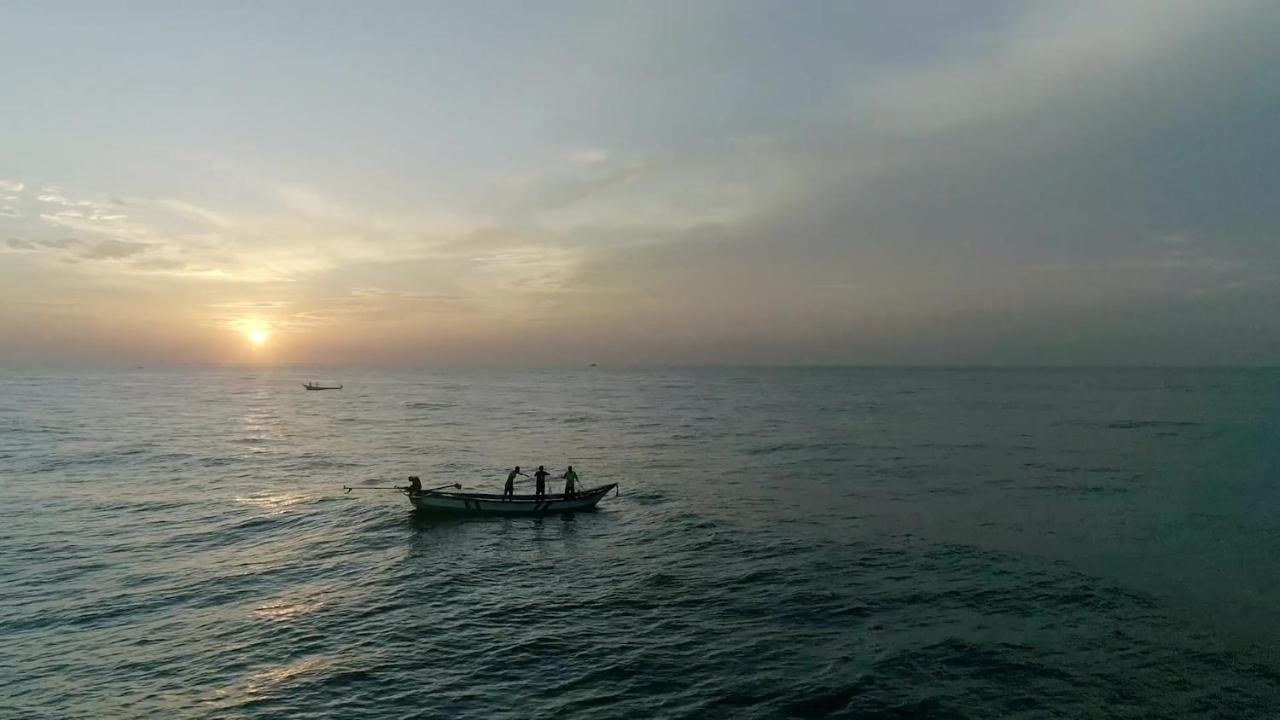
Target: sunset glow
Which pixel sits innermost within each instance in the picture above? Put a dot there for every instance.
(755, 183)
(356, 356)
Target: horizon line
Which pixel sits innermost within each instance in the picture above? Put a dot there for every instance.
(638, 366)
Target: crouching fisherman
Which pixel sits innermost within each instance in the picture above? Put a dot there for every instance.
(414, 487)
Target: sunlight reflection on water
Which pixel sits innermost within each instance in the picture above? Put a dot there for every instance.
(272, 504)
(788, 543)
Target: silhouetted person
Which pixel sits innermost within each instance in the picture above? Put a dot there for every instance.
(415, 485)
(540, 480)
(509, 490)
(570, 479)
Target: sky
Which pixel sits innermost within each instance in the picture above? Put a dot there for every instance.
(507, 184)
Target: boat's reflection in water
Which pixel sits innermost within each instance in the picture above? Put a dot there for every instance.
(501, 536)
(423, 521)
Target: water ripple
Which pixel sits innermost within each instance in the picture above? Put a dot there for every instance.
(855, 544)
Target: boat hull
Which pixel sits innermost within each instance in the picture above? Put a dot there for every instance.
(486, 504)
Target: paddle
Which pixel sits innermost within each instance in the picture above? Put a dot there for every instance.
(456, 486)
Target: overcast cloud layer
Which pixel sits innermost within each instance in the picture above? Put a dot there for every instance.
(646, 183)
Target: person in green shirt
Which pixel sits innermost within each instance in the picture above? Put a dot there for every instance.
(570, 478)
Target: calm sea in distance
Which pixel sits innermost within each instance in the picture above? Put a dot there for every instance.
(787, 543)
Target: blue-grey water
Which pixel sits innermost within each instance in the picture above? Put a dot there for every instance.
(175, 543)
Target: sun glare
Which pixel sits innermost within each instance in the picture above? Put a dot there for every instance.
(257, 337)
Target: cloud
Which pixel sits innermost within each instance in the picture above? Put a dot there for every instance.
(599, 178)
(390, 304)
(361, 306)
(1081, 45)
(248, 305)
(194, 212)
(219, 247)
(589, 156)
(112, 249)
(11, 186)
(832, 192)
(79, 249)
(531, 267)
(164, 266)
(952, 186)
(42, 244)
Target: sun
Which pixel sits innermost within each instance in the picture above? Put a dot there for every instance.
(257, 337)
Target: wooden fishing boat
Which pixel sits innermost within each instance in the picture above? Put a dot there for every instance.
(437, 501)
(318, 386)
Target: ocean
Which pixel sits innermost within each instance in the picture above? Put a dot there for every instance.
(786, 543)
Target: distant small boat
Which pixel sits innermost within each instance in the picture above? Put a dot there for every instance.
(435, 501)
(318, 386)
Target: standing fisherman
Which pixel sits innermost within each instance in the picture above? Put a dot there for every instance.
(540, 478)
(507, 492)
(570, 478)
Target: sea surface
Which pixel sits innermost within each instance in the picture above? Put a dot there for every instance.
(799, 543)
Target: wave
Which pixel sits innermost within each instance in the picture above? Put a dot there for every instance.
(1139, 424)
(429, 405)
